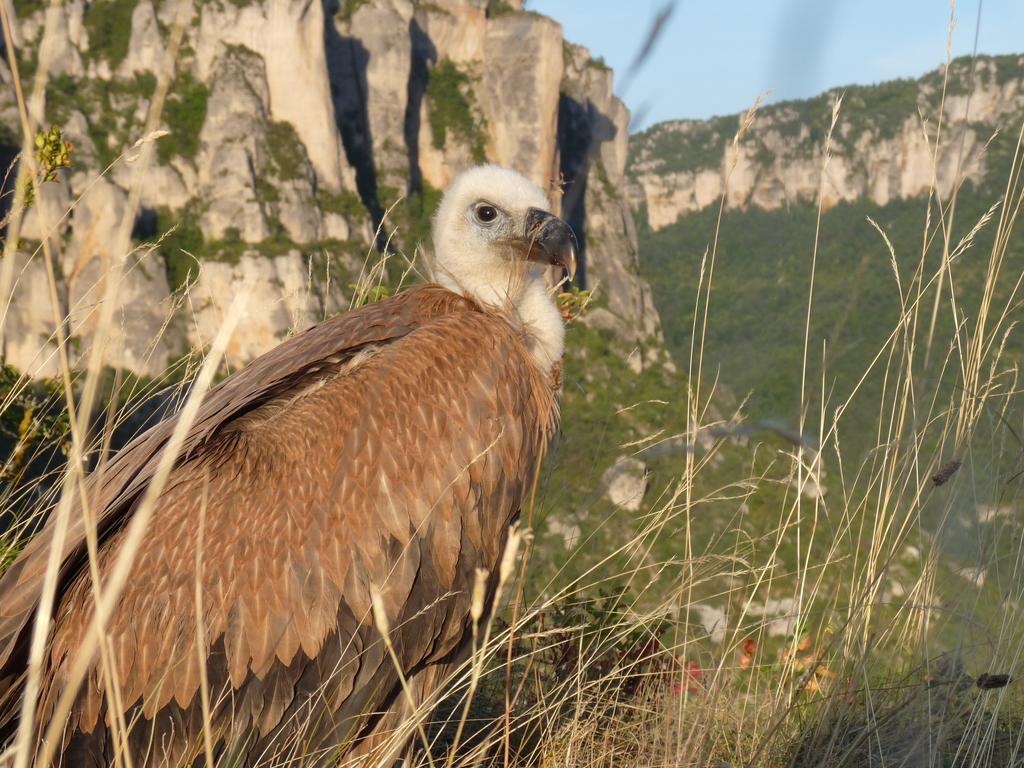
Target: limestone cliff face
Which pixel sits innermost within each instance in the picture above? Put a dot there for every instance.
(881, 149)
(294, 125)
(594, 139)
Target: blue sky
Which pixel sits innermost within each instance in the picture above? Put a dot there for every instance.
(715, 56)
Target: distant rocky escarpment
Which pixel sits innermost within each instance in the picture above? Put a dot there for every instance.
(881, 150)
(294, 128)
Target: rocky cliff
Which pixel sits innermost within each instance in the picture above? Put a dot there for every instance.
(294, 127)
(881, 149)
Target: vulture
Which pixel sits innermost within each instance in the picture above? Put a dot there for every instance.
(377, 458)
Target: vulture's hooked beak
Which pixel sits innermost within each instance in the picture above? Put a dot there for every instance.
(551, 241)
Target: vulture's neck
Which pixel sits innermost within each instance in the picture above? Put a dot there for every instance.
(531, 308)
(542, 321)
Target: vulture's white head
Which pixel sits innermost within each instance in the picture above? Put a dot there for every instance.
(494, 238)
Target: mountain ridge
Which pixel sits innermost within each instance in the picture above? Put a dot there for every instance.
(879, 149)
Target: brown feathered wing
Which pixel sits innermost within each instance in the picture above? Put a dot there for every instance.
(389, 447)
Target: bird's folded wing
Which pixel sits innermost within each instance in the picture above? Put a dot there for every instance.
(129, 472)
(399, 470)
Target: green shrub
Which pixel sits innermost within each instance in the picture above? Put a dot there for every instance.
(883, 107)
(421, 205)
(61, 97)
(52, 153)
(450, 108)
(266, 191)
(348, 8)
(1008, 67)
(345, 203)
(109, 24)
(108, 107)
(29, 422)
(25, 8)
(499, 8)
(412, 217)
(177, 246)
(287, 153)
(184, 114)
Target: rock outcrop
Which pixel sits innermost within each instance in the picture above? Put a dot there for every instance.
(881, 149)
(289, 36)
(294, 126)
(593, 136)
(522, 73)
(626, 483)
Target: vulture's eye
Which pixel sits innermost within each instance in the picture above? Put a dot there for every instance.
(486, 213)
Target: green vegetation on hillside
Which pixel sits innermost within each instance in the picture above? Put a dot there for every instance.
(450, 108)
(410, 220)
(30, 423)
(762, 269)
(25, 8)
(109, 24)
(760, 289)
(753, 354)
(689, 145)
(184, 248)
(184, 114)
(182, 243)
(287, 152)
(606, 405)
(499, 8)
(108, 106)
(345, 203)
(348, 7)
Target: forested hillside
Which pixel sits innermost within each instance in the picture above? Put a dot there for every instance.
(764, 248)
